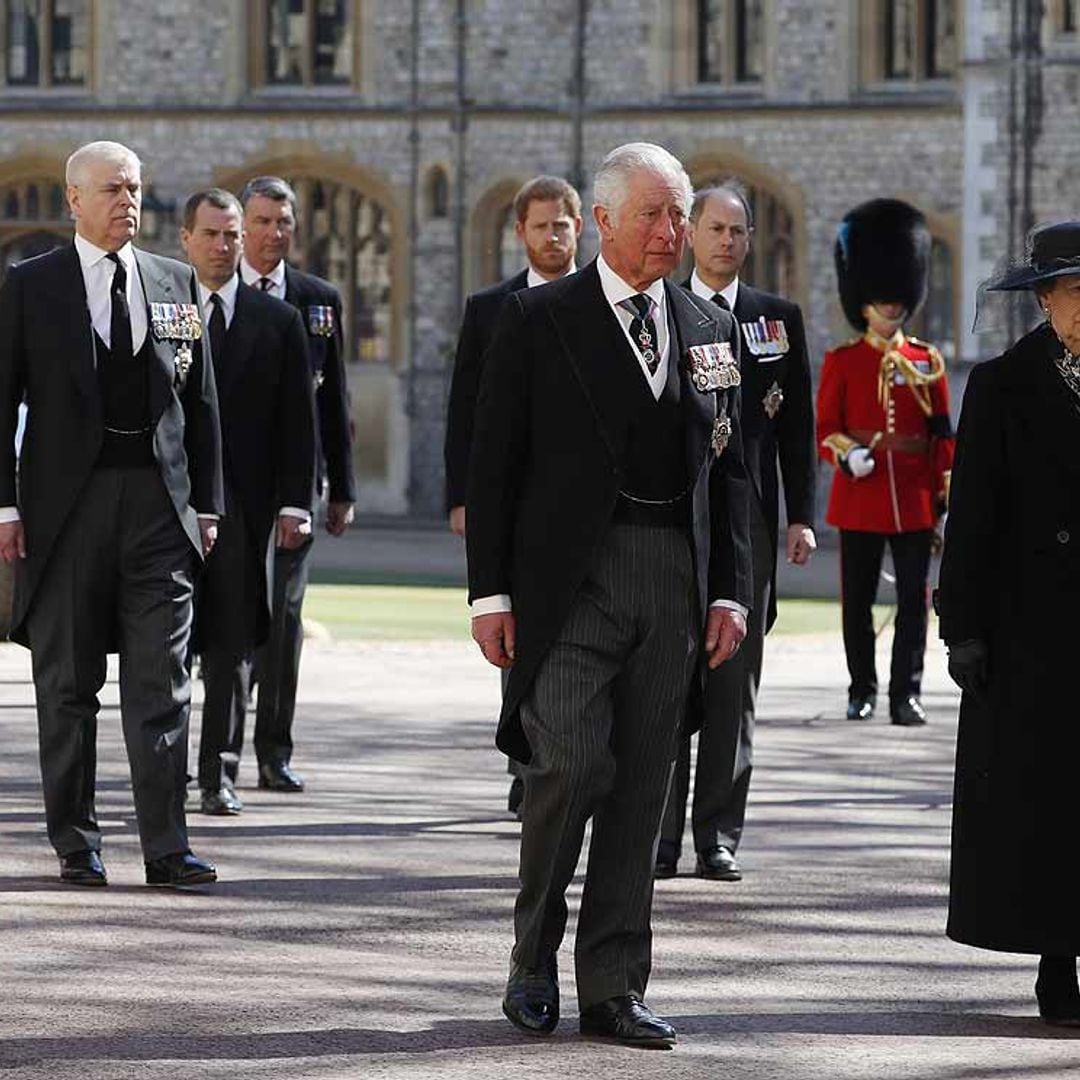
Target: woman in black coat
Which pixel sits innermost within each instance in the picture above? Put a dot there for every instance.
(1009, 601)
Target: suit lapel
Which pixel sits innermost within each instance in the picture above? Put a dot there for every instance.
(239, 341)
(158, 289)
(291, 296)
(1058, 405)
(66, 304)
(691, 324)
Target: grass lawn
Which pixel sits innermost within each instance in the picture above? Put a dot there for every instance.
(410, 613)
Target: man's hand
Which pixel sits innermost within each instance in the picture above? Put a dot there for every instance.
(208, 532)
(12, 541)
(339, 516)
(495, 635)
(968, 666)
(724, 632)
(801, 544)
(457, 521)
(292, 531)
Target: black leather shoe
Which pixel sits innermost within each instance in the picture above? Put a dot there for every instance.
(277, 776)
(718, 864)
(627, 1020)
(514, 799)
(1057, 992)
(180, 868)
(908, 712)
(860, 708)
(667, 860)
(222, 803)
(531, 1001)
(83, 868)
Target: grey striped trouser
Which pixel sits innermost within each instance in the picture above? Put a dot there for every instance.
(602, 719)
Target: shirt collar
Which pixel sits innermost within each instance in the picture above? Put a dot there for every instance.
(90, 254)
(533, 279)
(699, 288)
(227, 292)
(616, 290)
(251, 276)
(885, 344)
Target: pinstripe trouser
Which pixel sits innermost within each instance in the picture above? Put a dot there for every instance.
(602, 718)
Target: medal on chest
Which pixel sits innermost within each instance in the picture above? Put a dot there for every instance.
(320, 320)
(181, 325)
(713, 367)
(721, 433)
(773, 400)
(766, 339)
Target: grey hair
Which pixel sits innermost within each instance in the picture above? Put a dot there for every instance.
(613, 175)
(102, 150)
(269, 187)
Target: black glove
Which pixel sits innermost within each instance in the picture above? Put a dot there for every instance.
(968, 666)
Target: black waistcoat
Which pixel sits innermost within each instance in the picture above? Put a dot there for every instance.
(125, 405)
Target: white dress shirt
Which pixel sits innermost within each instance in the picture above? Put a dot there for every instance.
(699, 288)
(227, 295)
(534, 278)
(252, 276)
(615, 289)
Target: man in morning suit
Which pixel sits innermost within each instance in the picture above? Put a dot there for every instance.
(117, 498)
(547, 213)
(269, 224)
(608, 549)
(777, 425)
(268, 439)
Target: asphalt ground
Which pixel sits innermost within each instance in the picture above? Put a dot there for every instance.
(363, 928)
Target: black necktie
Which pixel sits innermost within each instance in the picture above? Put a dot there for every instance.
(266, 284)
(217, 330)
(120, 315)
(643, 329)
(720, 302)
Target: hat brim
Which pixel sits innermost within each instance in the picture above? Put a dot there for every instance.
(1023, 277)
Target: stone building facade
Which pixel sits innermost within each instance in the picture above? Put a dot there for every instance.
(407, 125)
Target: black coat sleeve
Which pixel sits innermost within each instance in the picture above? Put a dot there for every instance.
(295, 418)
(730, 565)
(795, 428)
(499, 451)
(464, 387)
(978, 514)
(332, 403)
(12, 381)
(202, 429)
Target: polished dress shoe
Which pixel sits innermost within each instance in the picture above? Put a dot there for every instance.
(718, 864)
(908, 712)
(83, 868)
(860, 708)
(516, 796)
(277, 776)
(627, 1020)
(1057, 992)
(667, 860)
(222, 802)
(180, 868)
(531, 1001)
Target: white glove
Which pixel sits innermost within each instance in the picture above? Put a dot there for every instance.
(860, 461)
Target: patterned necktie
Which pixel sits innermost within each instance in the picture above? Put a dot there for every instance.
(720, 302)
(266, 284)
(120, 315)
(643, 329)
(217, 330)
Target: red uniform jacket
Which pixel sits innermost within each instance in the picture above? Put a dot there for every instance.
(893, 397)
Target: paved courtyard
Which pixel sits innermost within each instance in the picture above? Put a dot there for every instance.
(362, 930)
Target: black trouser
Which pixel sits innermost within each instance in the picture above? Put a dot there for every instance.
(725, 748)
(277, 663)
(601, 718)
(119, 576)
(860, 568)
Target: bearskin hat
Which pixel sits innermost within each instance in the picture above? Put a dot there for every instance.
(882, 253)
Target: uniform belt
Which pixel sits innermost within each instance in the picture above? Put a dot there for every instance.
(892, 440)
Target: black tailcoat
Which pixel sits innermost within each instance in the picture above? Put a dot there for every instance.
(268, 434)
(788, 436)
(334, 448)
(47, 354)
(551, 428)
(477, 327)
(1010, 576)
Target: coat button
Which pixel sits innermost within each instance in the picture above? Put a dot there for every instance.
(1063, 536)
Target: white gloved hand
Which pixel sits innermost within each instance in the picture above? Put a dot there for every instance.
(860, 461)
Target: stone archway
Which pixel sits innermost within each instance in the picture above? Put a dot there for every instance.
(34, 216)
(494, 252)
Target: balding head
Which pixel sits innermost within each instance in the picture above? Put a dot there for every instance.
(87, 156)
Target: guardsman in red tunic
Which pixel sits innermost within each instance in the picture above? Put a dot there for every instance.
(883, 421)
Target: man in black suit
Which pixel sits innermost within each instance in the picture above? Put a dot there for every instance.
(269, 224)
(547, 212)
(777, 424)
(268, 435)
(118, 494)
(608, 549)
